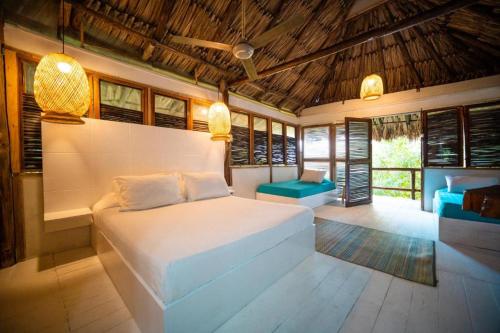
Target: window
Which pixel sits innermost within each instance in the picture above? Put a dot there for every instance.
(317, 149)
(291, 145)
(170, 112)
(121, 103)
(200, 116)
(240, 147)
(260, 140)
(483, 135)
(317, 142)
(31, 139)
(278, 147)
(443, 137)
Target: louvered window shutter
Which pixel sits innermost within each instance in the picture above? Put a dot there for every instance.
(260, 140)
(291, 145)
(170, 112)
(31, 129)
(482, 131)
(278, 147)
(442, 144)
(240, 147)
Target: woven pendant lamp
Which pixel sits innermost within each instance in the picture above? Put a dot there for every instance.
(219, 122)
(61, 89)
(372, 88)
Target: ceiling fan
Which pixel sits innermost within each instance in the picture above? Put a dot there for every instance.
(244, 49)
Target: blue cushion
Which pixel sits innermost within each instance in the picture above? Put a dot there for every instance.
(296, 188)
(450, 205)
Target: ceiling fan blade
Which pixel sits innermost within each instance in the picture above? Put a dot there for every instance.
(250, 68)
(282, 28)
(201, 42)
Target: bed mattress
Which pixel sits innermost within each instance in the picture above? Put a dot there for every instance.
(296, 188)
(448, 204)
(177, 249)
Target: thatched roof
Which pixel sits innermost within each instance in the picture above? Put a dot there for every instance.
(460, 45)
(401, 125)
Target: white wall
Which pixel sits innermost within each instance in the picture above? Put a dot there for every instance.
(80, 162)
(460, 93)
(27, 41)
(434, 179)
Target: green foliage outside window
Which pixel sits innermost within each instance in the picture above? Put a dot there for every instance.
(397, 153)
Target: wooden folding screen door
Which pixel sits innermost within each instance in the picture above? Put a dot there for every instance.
(358, 161)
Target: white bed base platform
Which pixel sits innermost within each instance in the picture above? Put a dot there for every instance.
(211, 305)
(472, 233)
(311, 201)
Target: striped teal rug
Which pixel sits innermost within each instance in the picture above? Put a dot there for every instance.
(406, 257)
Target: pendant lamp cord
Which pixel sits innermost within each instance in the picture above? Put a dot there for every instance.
(62, 8)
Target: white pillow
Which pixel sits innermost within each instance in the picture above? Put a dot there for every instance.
(313, 176)
(145, 192)
(458, 184)
(109, 200)
(205, 186)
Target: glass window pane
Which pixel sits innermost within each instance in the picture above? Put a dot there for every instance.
(317, 142)
(260, 140)
(239, 119)
(120, 103)
(290, 131)
(277, 128)
(29, 69)
(120, 96)
(170, 112)
(200, 116)
(323, 166)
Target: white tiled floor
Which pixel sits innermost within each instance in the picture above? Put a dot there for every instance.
(70, 291)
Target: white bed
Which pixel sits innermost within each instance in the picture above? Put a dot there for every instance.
(201, 261)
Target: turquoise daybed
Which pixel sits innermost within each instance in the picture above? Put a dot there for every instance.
(298, 192)
(464, 227)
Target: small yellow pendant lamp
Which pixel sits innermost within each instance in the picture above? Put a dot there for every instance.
(219, 122)
(61, 88)
(372, 88)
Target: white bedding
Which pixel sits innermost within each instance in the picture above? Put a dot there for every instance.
(176, 249)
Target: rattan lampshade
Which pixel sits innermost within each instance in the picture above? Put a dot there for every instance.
(219, 122)
(372, 88)
(61, 89)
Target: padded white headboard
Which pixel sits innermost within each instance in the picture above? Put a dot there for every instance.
(80, 161)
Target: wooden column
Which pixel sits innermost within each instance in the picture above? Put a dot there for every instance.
(224, 97)
(7, 231)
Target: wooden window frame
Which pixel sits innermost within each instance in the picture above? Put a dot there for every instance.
(285, 129)
(145, 103)
(460, 136)
(250, 138)
(466, 137)
(169, 94)
(330, 158)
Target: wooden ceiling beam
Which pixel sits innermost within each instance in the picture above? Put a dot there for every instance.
(146, 38)
(404, 24)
